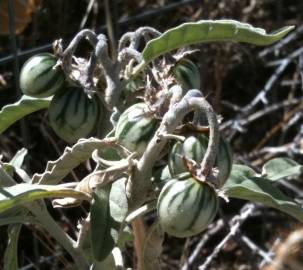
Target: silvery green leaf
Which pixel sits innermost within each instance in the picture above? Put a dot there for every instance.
(18, 158)
(21, 194)
(101, 240)
(11, 252)
(13, 112)
(278, 168)
(244, 184)
(210, 31)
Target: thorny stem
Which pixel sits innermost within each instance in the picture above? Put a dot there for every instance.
(127, 54)
(83, 232)
(101, 56)
(111, 69)
(67, 56)
(133, 38)
(138, 185)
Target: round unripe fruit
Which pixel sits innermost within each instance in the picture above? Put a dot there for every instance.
(187, 207)
(194, 147)
(135, 127)
(73, 115)
(187, 74)
(39, 77)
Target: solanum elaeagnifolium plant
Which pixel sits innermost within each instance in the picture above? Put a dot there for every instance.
(150, 153)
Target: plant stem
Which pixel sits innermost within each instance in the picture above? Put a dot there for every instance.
(136, 187)
(48, 223)
(140, 234)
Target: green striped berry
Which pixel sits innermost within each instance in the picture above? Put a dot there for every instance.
(187, 74)
(135, 128)
(194, 148)
(39, 77)
(73, 115)
(187, 207)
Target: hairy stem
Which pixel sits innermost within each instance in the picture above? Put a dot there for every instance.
(140, 179)
(67, 56)
(49, 224)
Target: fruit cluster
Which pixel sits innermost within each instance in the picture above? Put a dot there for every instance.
(72, 114)
(186, 206)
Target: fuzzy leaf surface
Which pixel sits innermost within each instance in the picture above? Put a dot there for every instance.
(244, 184)
(210, 31)
(278, 168)
(72, 157)
(11, 251)
(11, 113)
(23, 193)
(101, 242)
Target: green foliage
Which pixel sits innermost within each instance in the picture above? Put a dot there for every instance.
(185, 205)
(279, 168)
(243, 183)
(210, 31)
(16, 111)
(108, 211)
(70, 159)
(101, 241)
(21, 194)
(11, 252)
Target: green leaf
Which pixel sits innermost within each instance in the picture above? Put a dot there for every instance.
(14, 215)
(23, 193)
(5, 175)
(15, 219)
(101, 241)
(70, 159)
(14, 112)
(278, 168)
(11, 251)
(107, 217)
(243, 184)
(8, 169)
(209, 31)
(18, 158)
(16, 163)
(118, 212)
(118, 200)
